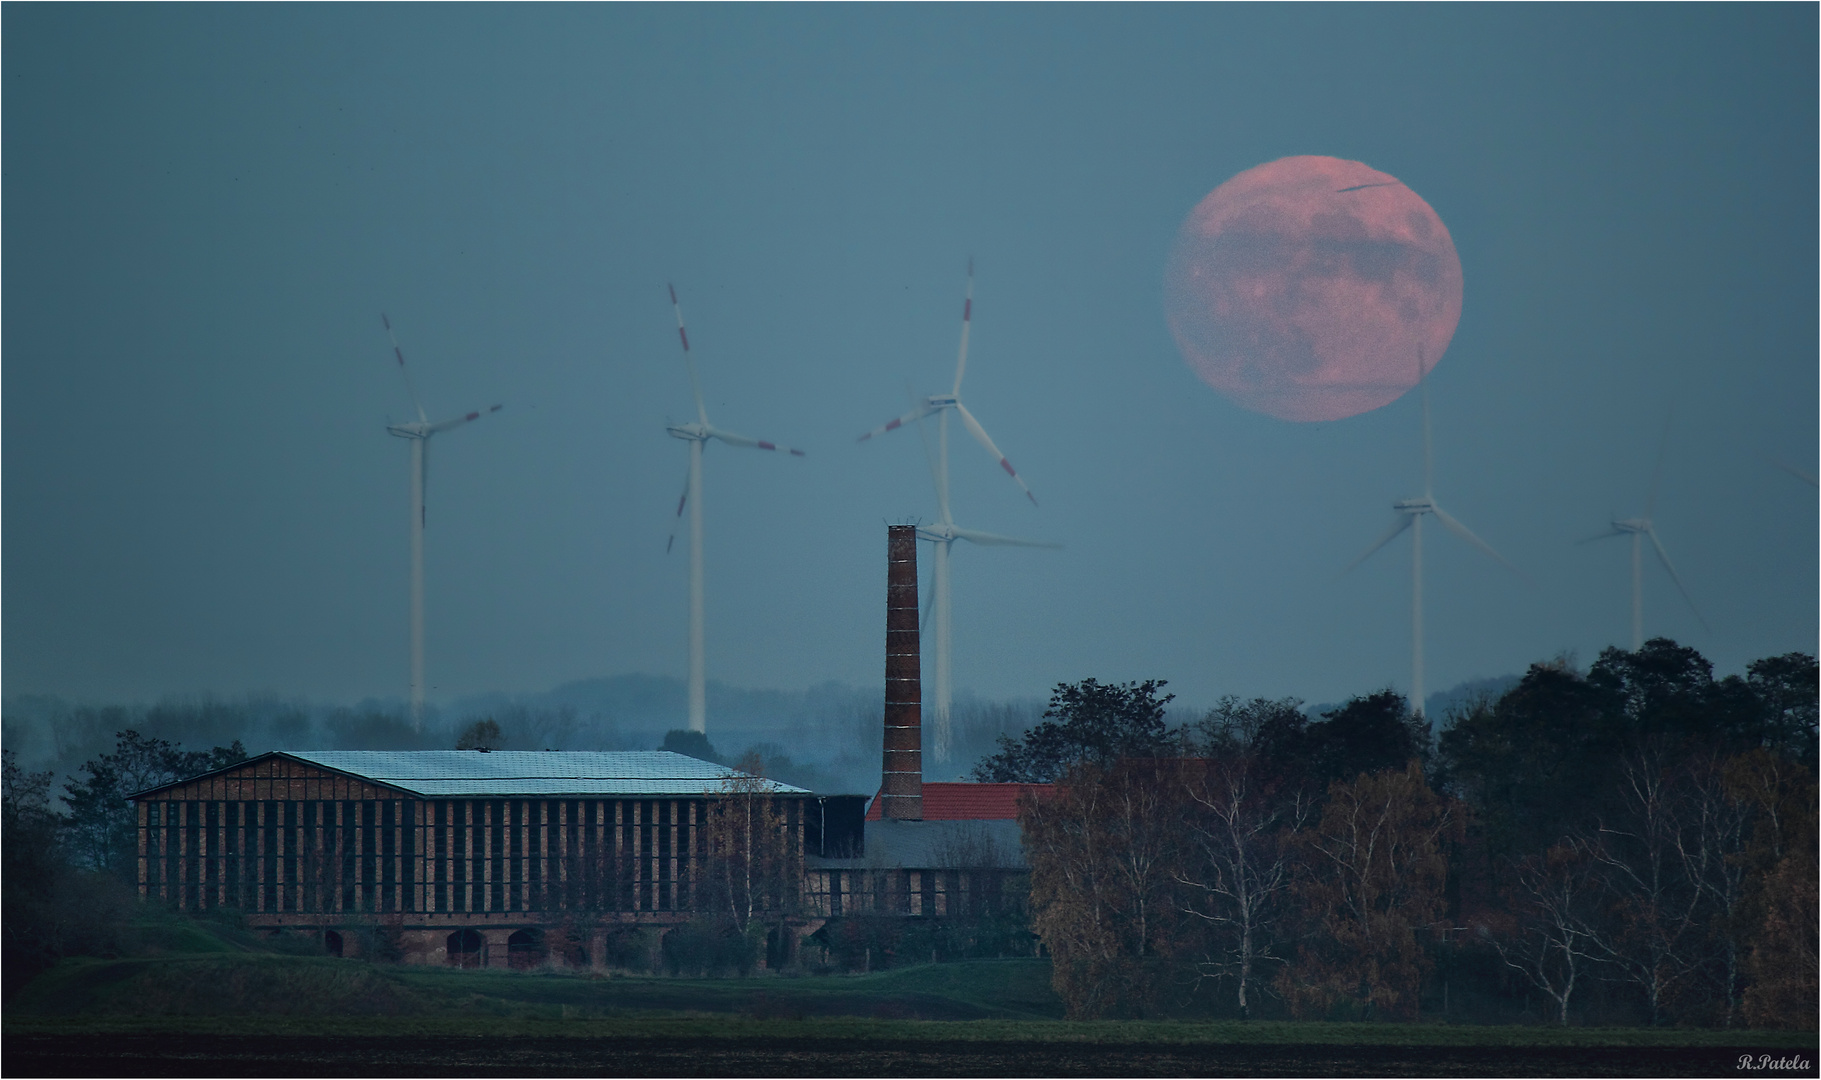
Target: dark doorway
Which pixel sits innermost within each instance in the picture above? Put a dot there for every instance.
(525, 949)
(465, 948)
(331, 942)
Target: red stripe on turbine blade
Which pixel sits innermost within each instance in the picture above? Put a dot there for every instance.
(893, 426)
(1028, 495)
(396, 351)
(763, 445)
(388, 322)
(796, 453)
(496, 408)
(472, 416)
(684, 334)
(967, 310)
(1007, 466)
(673, 293)
(680, 502)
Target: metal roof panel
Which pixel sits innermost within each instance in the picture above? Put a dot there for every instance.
(449, 773)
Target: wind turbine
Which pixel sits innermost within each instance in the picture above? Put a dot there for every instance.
(1806, 477)
(419, 432)
(1410, 516)
(1638, 528)
(697, 435)
(945, 532)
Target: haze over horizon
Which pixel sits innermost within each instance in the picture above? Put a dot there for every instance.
(209, 207)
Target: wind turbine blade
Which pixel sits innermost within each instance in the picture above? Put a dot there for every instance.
(1609, 533)
(967, 320)
(695, 384)
(677, 520)
(917, 413)
(732, 439)
(1673, 576)
(1466, 534)
(446, 425)
(1806, 477)
(979, 433)
(994, 539)
(403, 370)
(1403, 522)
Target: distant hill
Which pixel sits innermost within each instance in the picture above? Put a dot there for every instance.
(1438, 705)
(660, 703)
(1460, 695)
(825, 737)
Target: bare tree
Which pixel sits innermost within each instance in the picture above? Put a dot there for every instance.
(751, 865)
(1552, 940)
(1654, 938)
(1239, 848)
(1711, 825)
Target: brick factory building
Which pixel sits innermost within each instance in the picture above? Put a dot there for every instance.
(471, 857)
(506, 858)
(964, 857)
(462, 853)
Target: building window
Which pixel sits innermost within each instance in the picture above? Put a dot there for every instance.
(465, 947)
(525, 949)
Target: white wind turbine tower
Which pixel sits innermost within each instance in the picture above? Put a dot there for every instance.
(1410, 516)
(945, 532)
(419, 432)
(697, 435)
(1638, 528)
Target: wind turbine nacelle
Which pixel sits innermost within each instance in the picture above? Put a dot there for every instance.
(936, 533)
(1633, 525)
(408, 431)
(942, 401)
(1414, 506)
(692, 432)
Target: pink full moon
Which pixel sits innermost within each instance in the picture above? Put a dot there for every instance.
(1310, 288)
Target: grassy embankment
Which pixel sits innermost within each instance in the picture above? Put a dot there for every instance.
(201, 979)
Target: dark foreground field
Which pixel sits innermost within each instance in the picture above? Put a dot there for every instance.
(46, 1054)
(196, 1002)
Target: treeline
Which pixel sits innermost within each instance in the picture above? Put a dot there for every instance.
(832, 745)
(51, 734)
(1633, 843)
(67, 866)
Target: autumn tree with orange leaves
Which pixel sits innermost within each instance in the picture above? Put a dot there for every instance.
(1105, 849)
(1370, 886)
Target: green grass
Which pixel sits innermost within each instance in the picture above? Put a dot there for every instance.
(874, 1032)
(218, 980)
(206, 979)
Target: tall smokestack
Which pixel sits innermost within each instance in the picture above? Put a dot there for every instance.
(903, 788)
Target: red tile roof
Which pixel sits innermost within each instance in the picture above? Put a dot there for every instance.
(967, 802)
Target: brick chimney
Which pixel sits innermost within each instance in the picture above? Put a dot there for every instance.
(903, 787)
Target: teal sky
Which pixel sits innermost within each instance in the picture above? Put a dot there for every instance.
(207, 208)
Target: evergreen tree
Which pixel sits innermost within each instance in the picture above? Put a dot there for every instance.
(1087, 721)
